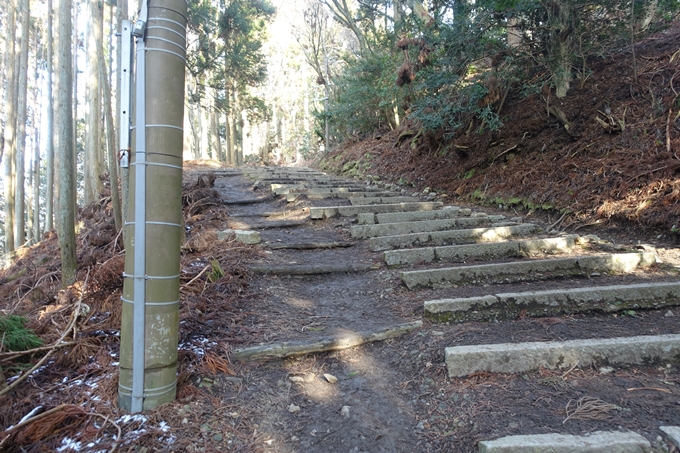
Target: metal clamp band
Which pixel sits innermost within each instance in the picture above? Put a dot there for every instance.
(169, 29)
(157, 38)
(151, 164)
(157, 49)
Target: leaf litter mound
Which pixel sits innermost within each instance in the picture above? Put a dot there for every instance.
(64, 394)
(608, 153)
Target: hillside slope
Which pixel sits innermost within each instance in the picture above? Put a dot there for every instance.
(581, 164)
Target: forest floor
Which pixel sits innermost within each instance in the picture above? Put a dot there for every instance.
(391, 396)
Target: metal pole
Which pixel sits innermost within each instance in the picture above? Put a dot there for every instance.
(139, 337)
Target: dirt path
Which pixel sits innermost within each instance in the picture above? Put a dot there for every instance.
(395, 396)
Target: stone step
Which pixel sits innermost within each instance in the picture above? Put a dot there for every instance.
(450, 237)
(322, 190)
(605, 299)
(321, 180)
(447, 212)
(673, 433)
(291, 197)
(529, 270)
(278, 188)
(324, 213)
(382, 200)
(597, 442)
(523, 357)
(486, 251)
(424, 226)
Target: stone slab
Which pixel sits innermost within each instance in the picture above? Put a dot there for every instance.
(606, 299)
(291, 197)
(324, 213)
(673, 433)
(530, 270)
(285, 189)
(489, 250)
(242, 236)
(447, 212)
(382, 200)
(523, 357)
(597, 442)
(448, 237)
(393, 229)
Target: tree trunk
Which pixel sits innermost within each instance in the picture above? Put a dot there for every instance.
(562, 22)
(64, 143)
(514, 35)
(112, 145)
(397, 16)
(20, 193)
(215, 143)
(36, 154)
(92, 164)
(233, 141)
(49, 153)
(10, 125)
(650, 9)
(74, 101)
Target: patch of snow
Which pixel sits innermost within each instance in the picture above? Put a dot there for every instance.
(30, 414)
(164, 427)
(69, 444)
(128, 418)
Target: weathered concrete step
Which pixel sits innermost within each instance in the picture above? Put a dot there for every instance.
(606, 299)
(522, 357)
(282, 189)
(324, 213)
(304, 180)
(447, 212)
(529, 270)
(344, 195)
(486, 251)
(673, 433)
(597, 442)
(312, 269)
(382, 200)
(449, 237)
(392, 229)
(298, 189)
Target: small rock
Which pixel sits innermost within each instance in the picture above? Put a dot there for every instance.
(185, 421)
(309, 377)
(513, 425)
(296, 378)
(294, 438)
(330, 378)
(218, 437)
(205, 428)
(427, 190)
(415, 194)
(669, 314)
(293, 409)
(420, 426)
(269, 442)
(344, 411)
(606, 370)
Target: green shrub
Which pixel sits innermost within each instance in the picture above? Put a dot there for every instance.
(14, 336)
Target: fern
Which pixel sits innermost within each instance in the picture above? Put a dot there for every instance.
(14, 336)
